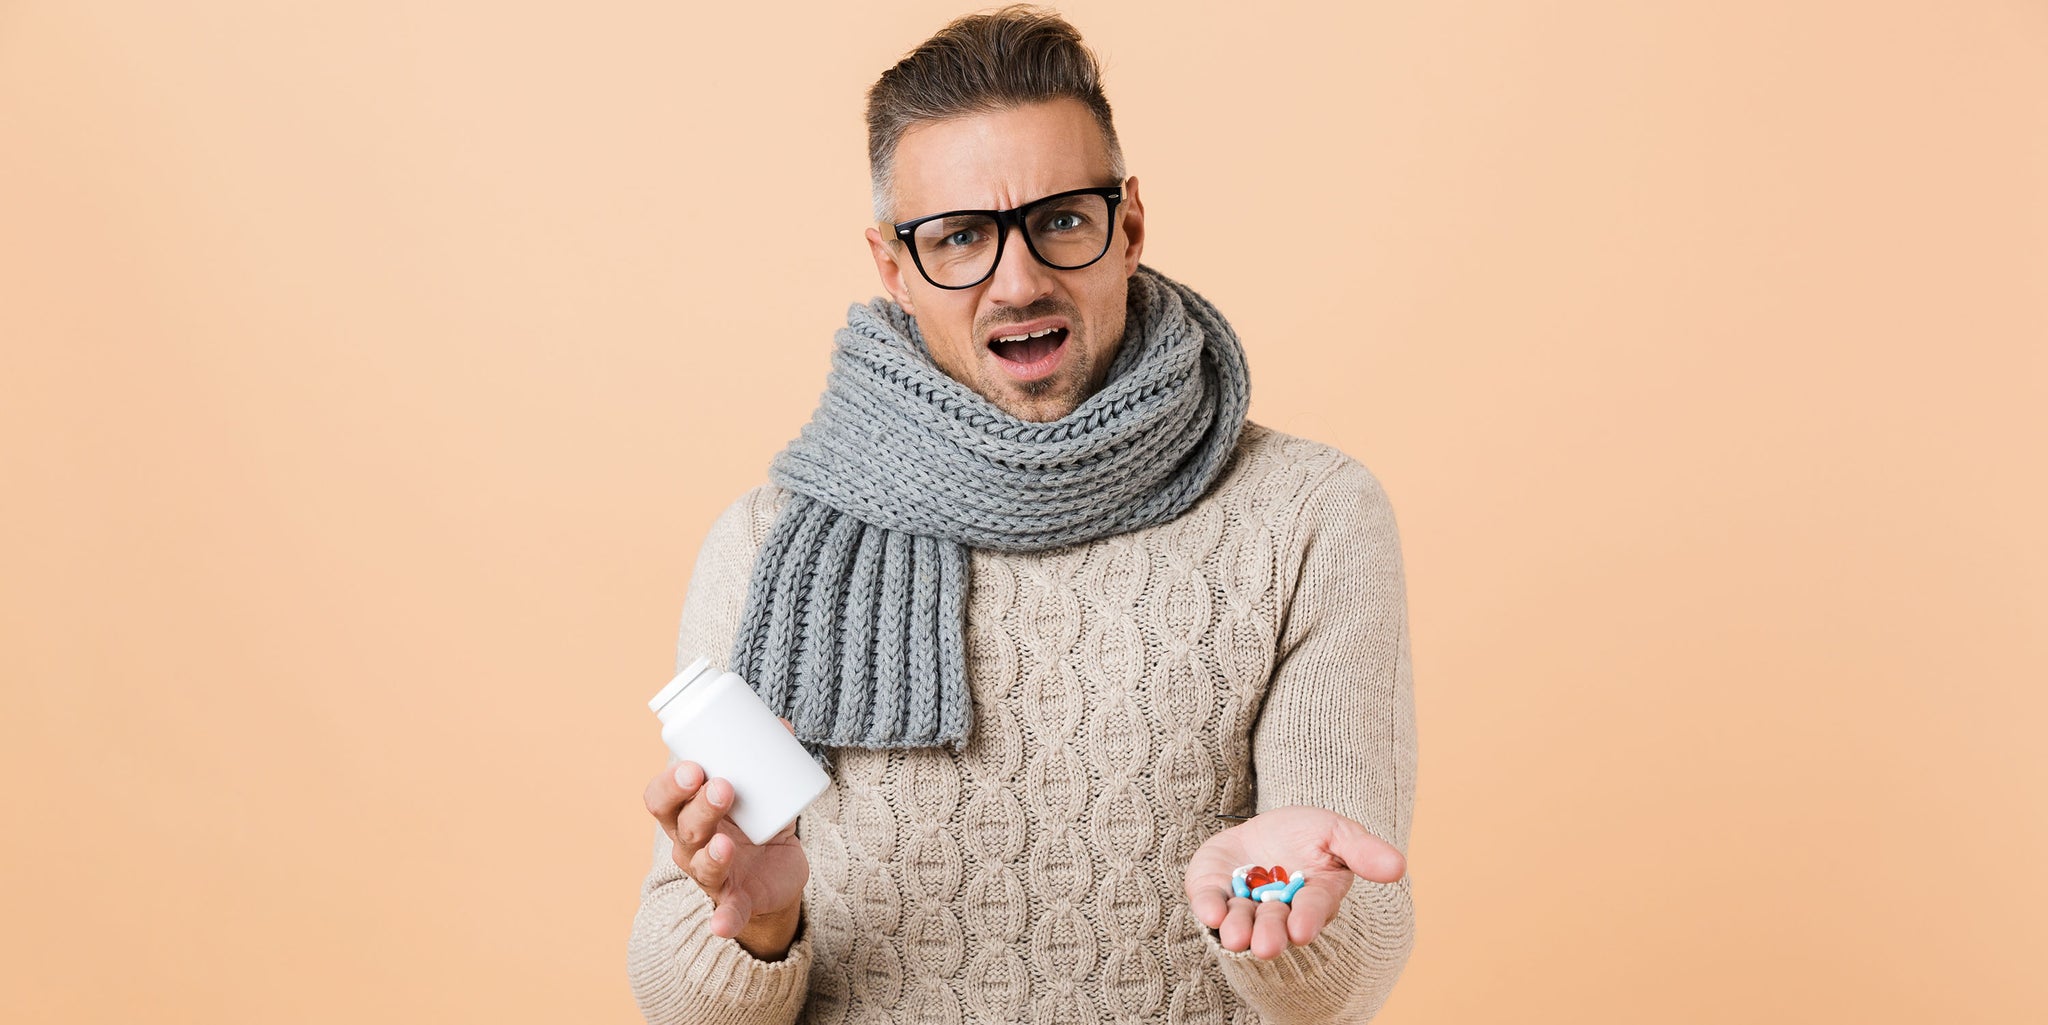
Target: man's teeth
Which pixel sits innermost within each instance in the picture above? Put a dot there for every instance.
(1034, 334)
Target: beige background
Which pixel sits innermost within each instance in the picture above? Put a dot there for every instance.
(372, 371)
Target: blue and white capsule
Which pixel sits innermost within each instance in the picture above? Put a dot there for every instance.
(1254, 882)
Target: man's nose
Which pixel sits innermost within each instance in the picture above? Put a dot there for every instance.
(1019, 278)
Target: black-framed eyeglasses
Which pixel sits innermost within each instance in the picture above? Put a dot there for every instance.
(1065, 231)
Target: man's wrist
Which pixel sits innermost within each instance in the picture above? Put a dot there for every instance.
(769, 937)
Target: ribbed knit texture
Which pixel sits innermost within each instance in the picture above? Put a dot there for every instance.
(853, 626)
(1249, 654)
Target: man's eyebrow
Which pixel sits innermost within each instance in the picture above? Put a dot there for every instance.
(988, 209)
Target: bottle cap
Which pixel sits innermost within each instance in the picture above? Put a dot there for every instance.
(675, 686)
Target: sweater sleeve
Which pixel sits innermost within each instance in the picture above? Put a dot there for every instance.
(681, 974)
(1338, 732)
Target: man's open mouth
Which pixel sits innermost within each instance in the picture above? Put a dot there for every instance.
(1028, 347)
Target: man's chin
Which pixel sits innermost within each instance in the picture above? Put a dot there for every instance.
(1035, 401)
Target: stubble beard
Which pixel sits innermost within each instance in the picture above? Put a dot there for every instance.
(1044, 400)
(1048, 399)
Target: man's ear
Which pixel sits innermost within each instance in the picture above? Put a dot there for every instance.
(884, 251)
(1132, 213)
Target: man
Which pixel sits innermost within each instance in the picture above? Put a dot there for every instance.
(1056, 616)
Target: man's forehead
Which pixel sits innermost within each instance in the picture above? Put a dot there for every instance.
(999, 159)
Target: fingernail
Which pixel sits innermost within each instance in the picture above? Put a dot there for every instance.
(719, 796)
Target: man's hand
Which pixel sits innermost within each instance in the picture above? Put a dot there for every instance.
(1330, 847)
(756, 890)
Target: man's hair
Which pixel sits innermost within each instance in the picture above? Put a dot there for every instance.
(980, 64)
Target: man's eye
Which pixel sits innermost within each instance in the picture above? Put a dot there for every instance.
(962, 237)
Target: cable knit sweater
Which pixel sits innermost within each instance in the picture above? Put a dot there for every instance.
(1251, 654)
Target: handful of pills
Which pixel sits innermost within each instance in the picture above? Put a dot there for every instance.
(1264, 884)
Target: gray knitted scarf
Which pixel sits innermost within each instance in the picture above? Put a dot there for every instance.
(855, 616)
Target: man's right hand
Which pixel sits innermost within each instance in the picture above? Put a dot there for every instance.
(756, 890)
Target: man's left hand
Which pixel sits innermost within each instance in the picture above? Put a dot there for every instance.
(1330, 847)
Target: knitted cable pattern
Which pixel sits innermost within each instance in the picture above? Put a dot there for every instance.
(854, 620)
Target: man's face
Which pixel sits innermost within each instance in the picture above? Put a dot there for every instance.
(996, 162)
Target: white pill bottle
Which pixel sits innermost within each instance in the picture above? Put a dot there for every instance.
(711, 717)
